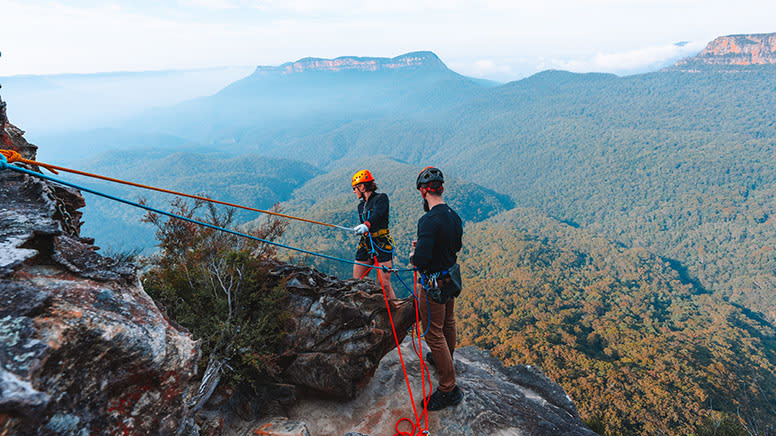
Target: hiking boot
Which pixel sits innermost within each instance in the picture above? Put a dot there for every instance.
(439, 400)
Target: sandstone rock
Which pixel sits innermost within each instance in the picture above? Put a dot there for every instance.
(83, 349)
(498, 401)
(337, 332)
(735, 51)
(336, 335)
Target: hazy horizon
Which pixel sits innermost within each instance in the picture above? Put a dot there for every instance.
(495, 39)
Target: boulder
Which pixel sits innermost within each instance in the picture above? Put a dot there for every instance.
(337, 331)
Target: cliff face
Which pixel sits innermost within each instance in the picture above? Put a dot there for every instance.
(83, 349)
(411, 61)
(735, 50)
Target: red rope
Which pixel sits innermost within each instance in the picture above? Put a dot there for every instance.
(419, 351)
(366, 273)
(416, 424)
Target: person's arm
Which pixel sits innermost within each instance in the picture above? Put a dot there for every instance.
(421, 258)
(379, 214)
(459, 239)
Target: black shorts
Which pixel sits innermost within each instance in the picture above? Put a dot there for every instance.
(363, 255)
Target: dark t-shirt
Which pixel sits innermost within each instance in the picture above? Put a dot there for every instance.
(439, 239)
(374, 211)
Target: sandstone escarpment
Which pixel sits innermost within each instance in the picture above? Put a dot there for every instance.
(733, 51)
(411, 61)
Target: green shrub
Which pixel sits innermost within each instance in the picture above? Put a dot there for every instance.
(214, 284)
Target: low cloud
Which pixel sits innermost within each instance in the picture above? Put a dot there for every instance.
(632, 61)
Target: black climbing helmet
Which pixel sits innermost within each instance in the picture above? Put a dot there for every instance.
(428, 175)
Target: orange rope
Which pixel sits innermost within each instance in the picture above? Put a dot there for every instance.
(13, 156)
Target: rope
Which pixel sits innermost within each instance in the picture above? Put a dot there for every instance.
(13, 156)
(10, 156)
(424, 372)
(6, 157)
(416, 424)
(5, 165)
(415, 296)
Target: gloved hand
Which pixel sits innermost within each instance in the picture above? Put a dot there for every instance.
(361, 229)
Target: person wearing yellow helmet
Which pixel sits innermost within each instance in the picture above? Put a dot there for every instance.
(376, 240)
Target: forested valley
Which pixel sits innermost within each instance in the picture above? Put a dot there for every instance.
(619, 231)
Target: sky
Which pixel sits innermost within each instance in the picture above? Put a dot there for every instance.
(495, 39)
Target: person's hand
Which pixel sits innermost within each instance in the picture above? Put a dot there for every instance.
(361, 229)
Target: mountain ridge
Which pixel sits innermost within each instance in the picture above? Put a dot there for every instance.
(411, 60)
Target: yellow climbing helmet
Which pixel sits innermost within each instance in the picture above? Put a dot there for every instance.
(362, 177)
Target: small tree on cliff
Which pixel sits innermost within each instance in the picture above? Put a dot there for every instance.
(212, 283)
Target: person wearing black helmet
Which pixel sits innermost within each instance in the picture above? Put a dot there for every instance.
(376, 240)
(435, 255)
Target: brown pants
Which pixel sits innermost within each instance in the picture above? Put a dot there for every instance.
(440, 337)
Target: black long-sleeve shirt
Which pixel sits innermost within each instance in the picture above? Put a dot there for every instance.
(374, 212)
(439, 239)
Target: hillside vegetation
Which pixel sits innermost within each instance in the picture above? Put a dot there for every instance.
(678, 163)
(640, 350)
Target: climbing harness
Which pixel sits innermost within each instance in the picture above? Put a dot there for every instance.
(443, 285)
(380, 240)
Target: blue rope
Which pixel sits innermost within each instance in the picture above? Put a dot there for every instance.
(4, 165)
(372, 242)
(405, 286)
(415, 297)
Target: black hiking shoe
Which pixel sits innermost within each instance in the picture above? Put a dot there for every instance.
(439, 400)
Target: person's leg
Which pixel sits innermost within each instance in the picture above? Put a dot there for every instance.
(435, 314)
(386, 279)
(449, 328)
(359, 271)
